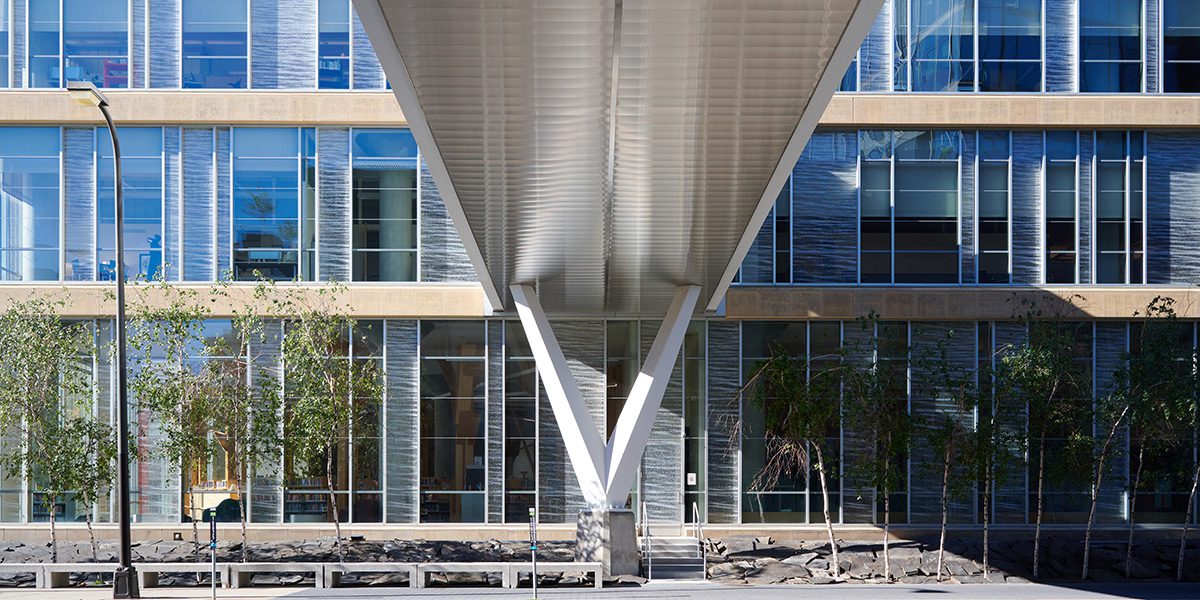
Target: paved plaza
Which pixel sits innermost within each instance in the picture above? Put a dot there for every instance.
(663, 591)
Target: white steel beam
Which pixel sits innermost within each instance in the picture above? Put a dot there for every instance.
(584, 444)
(632, 432)
(605, 471)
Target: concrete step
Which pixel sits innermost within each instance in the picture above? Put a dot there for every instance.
(675, 553)
(659, 572)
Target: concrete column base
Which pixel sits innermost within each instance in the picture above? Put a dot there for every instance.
(608, 537)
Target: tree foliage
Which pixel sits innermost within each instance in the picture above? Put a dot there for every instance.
(47, 403)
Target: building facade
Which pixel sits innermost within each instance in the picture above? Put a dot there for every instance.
(980, 148)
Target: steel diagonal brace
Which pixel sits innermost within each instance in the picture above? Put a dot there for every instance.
(605, 471)
(585, 446)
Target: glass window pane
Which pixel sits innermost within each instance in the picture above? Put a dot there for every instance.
(29, 203)
(266, 203)
(333, 44)
(215, 44)
(96, 42)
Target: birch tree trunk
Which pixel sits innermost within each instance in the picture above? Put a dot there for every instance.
(1041, 477)
(1187, 520)
(945, 509)
(825, 506)
(987, 519)
(887, 518)
(92, 536)
(53, 529)
(1133, 492)
(333, 507)
(1096, 482)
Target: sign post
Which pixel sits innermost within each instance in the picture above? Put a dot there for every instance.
(212, 545)
(533, 549)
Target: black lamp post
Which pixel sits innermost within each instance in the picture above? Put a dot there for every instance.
(125, 581)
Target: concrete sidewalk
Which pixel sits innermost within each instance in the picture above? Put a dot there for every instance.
(661, 591)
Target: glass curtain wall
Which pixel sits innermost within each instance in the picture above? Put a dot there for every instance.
(452, 422)
(1066, 492)
(695, 438)
(520, 425)
(909, 228)
(267, 219)
(784, 500)
(1181, 46)
(215, 484)
(1110, 46)
(30, 187)
(1062, 206)
(333, 44)
(384, 163)
(5, 30)
(968, 45)
(892, 358)
(216, 44)
(142, 172)
(96, 42)
(44, 58)
(1120, 206)
(1166, 463)
(995, 223)
(357, 463)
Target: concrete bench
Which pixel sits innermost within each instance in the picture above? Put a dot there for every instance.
(149, 572)
(58, 575)
(424, 569)
(34, 568)
(334, 571)
(517, 568)
(240, 574)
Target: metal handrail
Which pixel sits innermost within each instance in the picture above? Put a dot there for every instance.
(647, 543)
(698, 529)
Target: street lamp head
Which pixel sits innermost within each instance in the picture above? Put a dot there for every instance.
(86, 94)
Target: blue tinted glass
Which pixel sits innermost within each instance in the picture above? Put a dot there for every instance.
(384, 143)
(927, 145)
(45, 66)
(266, 202)
(1110, 45)
(333, 44)
(4, 43)
(850, 79)
(215, 44)
(1060, 145)
(29, 203)
(875, 145)
(942, 45)
(1181, 46)
(96, 42)
(993, 145)
(1110, 77)
(141, 171)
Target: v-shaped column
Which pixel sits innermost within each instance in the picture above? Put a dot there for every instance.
(605, 471)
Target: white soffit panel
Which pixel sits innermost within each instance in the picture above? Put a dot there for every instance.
(609, 197)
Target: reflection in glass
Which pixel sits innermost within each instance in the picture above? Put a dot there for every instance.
(1061, 206)
(333, 44)
(267, 214)
(42, 45)
(1119, 203)
(96, 42)
(384, 166)
(141, 171)
(452, 426)
(1181, 46)
(215, 44)
(909, 207)
(1110, 45)
(993, 206)
(29, 203)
